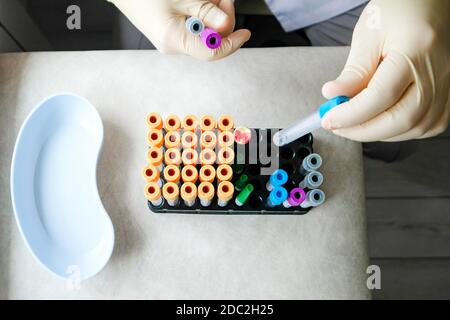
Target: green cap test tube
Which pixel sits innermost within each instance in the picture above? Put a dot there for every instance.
(241, 182)
(242, 198)
(238, 168)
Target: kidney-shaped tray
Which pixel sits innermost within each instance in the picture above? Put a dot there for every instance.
(54, 188)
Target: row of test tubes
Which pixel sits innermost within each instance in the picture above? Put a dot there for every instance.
(307, 194)
(182, 153)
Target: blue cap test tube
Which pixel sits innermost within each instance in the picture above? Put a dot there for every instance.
(277, 179)
(277, 196)
(308, 124)
(194, 25)
(312, 180)
(314, 198)
(311, 163)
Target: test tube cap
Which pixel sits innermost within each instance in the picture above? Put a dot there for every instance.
(315, 197)
(225, 123)
(155, 138)
(279, 178)
(243, 196)
(225, 156)
(172, 123)
(208, 140)
(242, 135)
(172, 139)
(189, 156)
(207, 173)
(150, 173)
(155, 156)
(224, 173)
(312, 162)
(296, 197)
(225, 139)
(330, 104)
(278, 195)
(314, 179)
(206, 191)
(189, 140)
(207, 123)
(207, 156)
(172, 173)
(154, 121)
(152, 191)
(189, 174)
(188, 191)
(211, 38)
(194, 25)
(241, 182)
(225, 191)
(172, 156)
(171, 191)
(190, 123)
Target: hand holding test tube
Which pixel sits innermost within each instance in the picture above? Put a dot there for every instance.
(163, 22)
(308, 124)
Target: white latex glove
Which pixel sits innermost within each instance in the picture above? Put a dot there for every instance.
(163, 23)
(398, 73)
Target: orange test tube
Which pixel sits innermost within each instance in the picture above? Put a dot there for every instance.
(153, 193)
(151, 174)
(155, 138)
(189, 140)
(189, 156)
(172, 174)
(171, 192)
(172, 123)
(189, 174)
(154, 121)
(190, 123)
(208, 140)
(225, 156)
(205, 193)
(207, 156)
(225, 139)
(155, 157)
(225, 123)
(225, 192)
(224, 173)
(207, 173)
(207, 123)
(172, 156)
(172, 139)
(189, 193)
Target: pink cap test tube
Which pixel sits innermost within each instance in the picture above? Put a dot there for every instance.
(296, 197)
(211, 38)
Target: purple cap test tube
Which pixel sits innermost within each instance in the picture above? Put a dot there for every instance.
(296, 197)
(211, 38)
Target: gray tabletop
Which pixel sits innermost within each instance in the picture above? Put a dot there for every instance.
(319, 255)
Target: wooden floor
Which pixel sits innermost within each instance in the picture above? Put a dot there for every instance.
(408, 208)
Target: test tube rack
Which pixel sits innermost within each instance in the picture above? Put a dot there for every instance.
(290, 159)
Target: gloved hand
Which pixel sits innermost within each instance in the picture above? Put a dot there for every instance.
(398, 73)
(163, 23)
